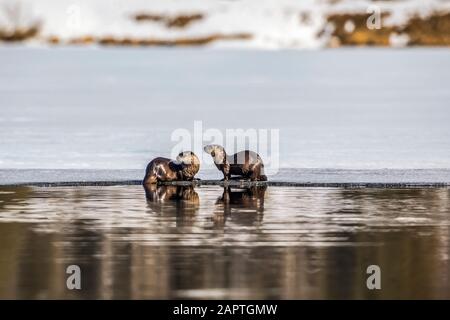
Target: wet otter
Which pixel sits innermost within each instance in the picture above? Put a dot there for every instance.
(162, 169)
(247, 164)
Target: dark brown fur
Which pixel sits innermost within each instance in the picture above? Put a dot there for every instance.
(164, 169)
(247, 164)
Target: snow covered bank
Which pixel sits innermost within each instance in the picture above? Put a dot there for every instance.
(242, 23)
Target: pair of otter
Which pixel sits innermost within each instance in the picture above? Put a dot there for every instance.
(247, 164)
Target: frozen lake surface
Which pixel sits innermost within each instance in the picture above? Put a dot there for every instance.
(115, 109)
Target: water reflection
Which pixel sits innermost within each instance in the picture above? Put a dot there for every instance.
(243, 199)
(244, 206)
(211, 242)
(184, 195)
(181, 201)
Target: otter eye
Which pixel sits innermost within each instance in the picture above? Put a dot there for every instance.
(213, 154)
(181, 154)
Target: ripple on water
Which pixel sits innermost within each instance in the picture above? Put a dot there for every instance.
(211, 216)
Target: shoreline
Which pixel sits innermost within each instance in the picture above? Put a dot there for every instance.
(319, 178)
(240, 184)
(308, 25)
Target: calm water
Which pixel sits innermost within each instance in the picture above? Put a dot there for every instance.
(215, 243)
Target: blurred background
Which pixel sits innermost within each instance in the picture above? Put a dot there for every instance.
(224, 23)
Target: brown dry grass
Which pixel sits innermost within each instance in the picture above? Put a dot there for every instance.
(149, 42)
(19, 34)
(83, 40)
(430, 31)
(361, 35)
(16, 29)
(177, 21)
(191, 41)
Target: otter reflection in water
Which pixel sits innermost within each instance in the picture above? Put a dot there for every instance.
(181, 201)
(244, 206)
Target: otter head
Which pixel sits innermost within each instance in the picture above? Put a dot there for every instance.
(217, 152)
(189, 162)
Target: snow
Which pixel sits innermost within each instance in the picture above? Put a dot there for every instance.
(273, 23)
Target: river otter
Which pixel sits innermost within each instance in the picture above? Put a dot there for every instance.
(162, 169)
(247, 164)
